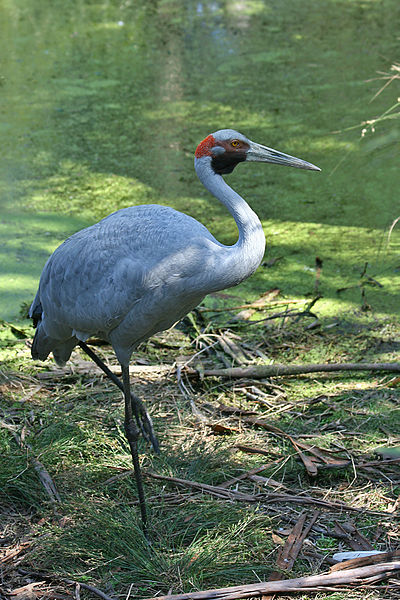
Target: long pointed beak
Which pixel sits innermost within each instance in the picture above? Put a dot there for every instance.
(259, 153)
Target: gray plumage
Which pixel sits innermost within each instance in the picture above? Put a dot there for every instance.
(142, 268)
(136, 272)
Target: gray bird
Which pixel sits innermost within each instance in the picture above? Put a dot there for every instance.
(143, 268)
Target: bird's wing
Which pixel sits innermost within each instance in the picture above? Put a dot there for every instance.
(88, 285)
(95, 278)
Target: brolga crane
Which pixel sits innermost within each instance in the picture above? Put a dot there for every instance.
(141, 269)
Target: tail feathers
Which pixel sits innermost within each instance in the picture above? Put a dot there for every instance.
(35, 311)
(43, 344)
(62, 352)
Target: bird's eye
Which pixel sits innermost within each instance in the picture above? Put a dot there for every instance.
(235, 143)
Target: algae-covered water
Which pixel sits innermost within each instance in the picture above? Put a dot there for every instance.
(103, 103)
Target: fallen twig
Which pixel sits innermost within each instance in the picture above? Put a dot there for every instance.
(279, 370)
(14, 552)
(252, 450)
(367, 560)
(247, 474)
(28, 590)
(85, 367)
(39, 467)
(359, 576)
(232, 349)
(311, 463)
(275, 497)
(235, 410)
(45, 478)
(268, 481)
(214, 490)
(353, 537)
(290, 551)
(379, 463)
(221, 429)
(49, 576)
(222, 492)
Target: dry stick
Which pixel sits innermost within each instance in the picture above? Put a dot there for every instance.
(290, 551)
(45, 478)
(229, 482)
(379, 463)
(77, 591)
(268, 481)
(353, 537)
(275, 497)
(39, 467)
(330, 462)
(27, 591)
(309, 463)
(221, 492)
(219, 428)
(234, 410)
(14, 553)
(86, 367)
(358, 576)
(373, 463)
(51, 577)
(363, 561)
(214, 490)
(252, 450)
(295, 541)
(343, 534)
(279, 370)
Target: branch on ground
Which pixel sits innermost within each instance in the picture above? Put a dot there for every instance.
(279, 370)
(381, 567)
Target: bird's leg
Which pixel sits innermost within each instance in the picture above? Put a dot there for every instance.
(143, 418)
(132, 434)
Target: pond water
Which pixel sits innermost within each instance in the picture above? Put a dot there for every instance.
(103, 103)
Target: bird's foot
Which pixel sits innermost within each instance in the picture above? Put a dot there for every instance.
(145, 422)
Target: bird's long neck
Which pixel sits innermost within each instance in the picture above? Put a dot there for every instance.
(240, 260)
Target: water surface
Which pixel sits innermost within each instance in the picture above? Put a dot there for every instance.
(103, 104)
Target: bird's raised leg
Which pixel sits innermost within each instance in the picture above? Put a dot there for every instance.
(143, 418)
(132, 434)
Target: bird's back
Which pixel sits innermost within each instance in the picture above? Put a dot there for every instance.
(135, 272)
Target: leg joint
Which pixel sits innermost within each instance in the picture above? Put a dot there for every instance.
(131, 430)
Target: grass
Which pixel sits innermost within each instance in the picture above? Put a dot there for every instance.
(73, 424)
(104, 104)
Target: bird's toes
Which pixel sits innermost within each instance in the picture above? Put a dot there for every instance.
(145, 423)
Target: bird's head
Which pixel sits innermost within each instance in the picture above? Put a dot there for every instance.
(227, 148)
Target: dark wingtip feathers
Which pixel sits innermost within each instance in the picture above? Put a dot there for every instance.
(35, 313)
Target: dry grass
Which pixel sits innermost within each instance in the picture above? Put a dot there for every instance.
(71, 423)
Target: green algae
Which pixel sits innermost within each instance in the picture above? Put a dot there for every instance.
(103, 104)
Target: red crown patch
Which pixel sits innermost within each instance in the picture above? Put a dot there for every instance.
(204, 148)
